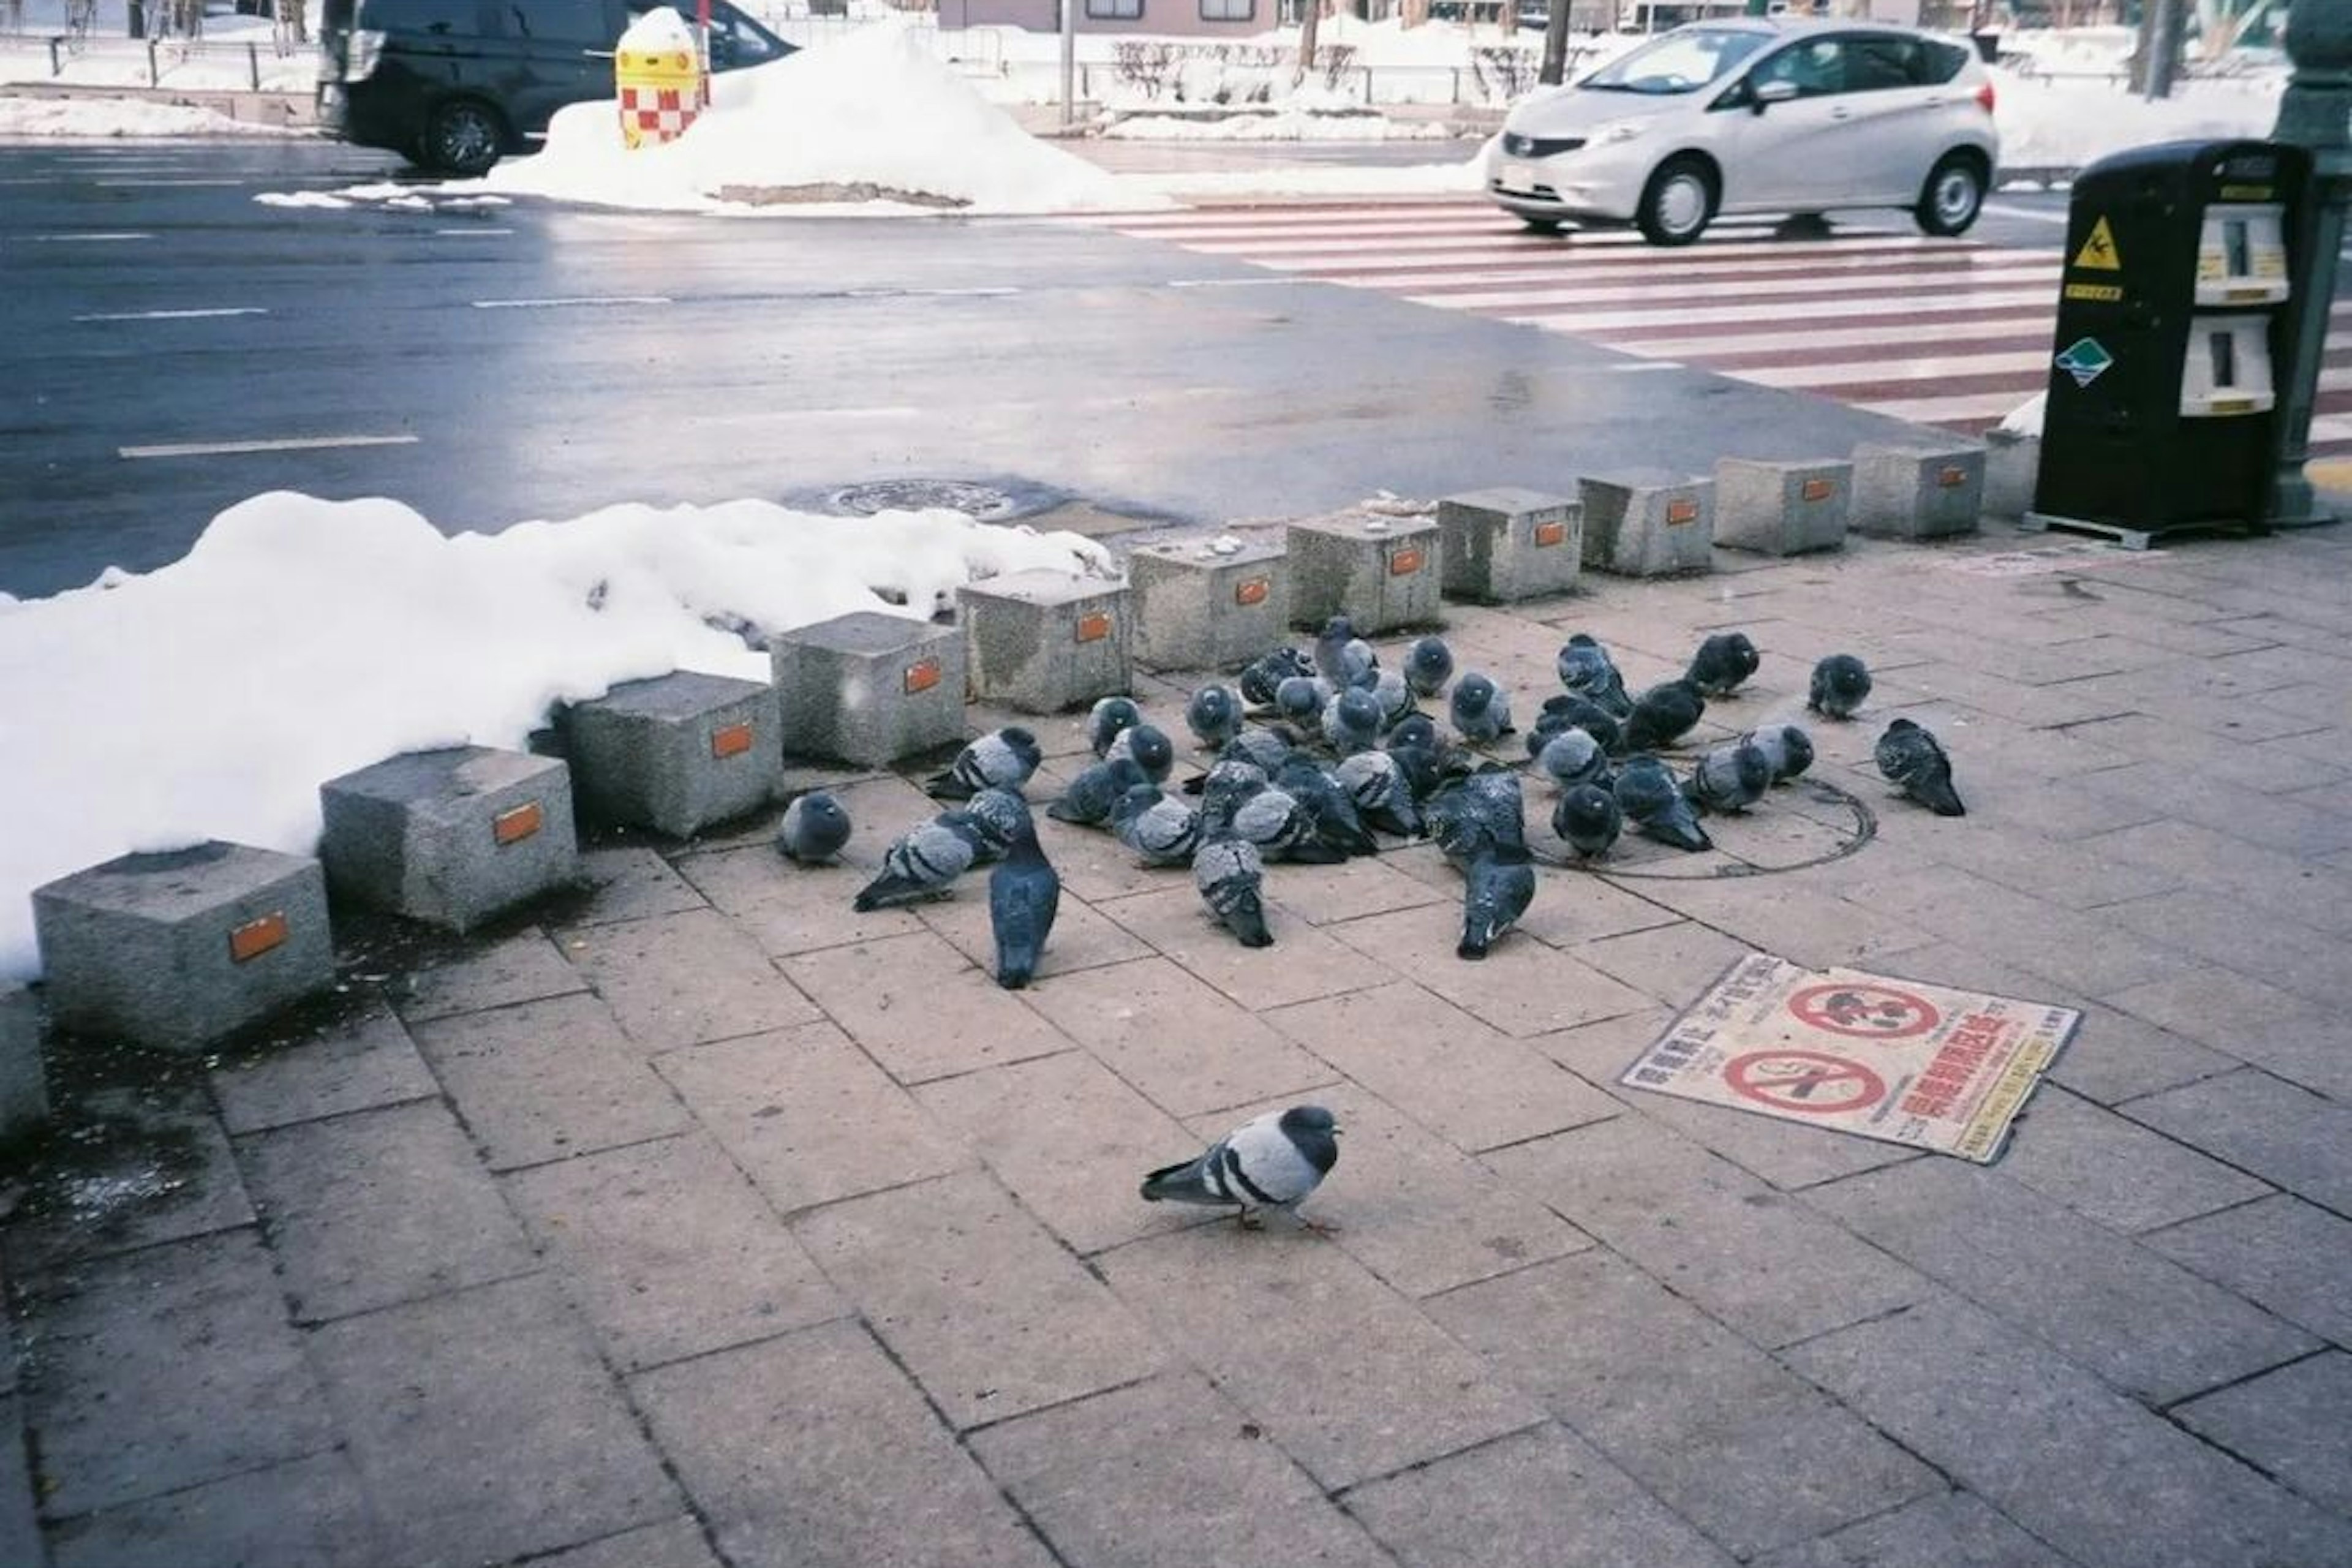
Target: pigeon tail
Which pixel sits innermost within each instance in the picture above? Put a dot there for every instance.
(890, 890)
(1182, 1183)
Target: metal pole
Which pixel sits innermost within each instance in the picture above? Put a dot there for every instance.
(1070, 62)
(2162, 43)
(2313, 114)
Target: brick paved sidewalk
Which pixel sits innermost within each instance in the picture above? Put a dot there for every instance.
(703, 1221)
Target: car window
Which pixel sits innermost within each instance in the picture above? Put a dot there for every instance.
(1943, 62)
(440, 17)
(557, 21)
(1814, 67)
(1875, 64)
(1681, 61)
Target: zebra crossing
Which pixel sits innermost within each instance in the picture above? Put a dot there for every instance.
(1950, 332)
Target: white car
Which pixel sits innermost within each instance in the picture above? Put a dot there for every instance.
(1755, 115)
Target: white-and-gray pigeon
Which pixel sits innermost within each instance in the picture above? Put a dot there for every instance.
(922, 864)
(1428, 666)
(1480, 709)
(1149, 747)
(1159, 828)
(1731, 777)
(1108, 717)
(1587, 671)
(1272, 1162)
(1002, 759)
(1214, 715)
(1786, 746)
(1231, 877)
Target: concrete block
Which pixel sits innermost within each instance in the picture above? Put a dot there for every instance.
(1384, 573)
(176, 950)
(1648, 523)
(1043, 641)
(869, 689)
(1777, 508)
(1505, 544)
(678, 752)
(24, 1086)
(1209, 605)
(451, 836)
(2012, 468)
(1917, 491)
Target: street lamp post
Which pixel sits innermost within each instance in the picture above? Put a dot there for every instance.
(2312, 115)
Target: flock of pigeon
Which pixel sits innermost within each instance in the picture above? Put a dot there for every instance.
(1318, 751)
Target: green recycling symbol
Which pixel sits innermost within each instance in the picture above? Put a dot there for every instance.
(2086, 361)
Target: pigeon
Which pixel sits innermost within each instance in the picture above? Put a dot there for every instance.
(1341, 657)
(1230, 874)
(1912, 757)
(1587, 671)
(1301, 699)
(1425, 768)
(1476, 813)
(1722, 662)
(1841, 684)
(1272, 1162)
(1023, 895)
(1328, 804)
(1263, 675)
(1413, 730)
(1351, 722)
(1149, 749)
(1233, 781)
(1159, 828)
(1590, 819)
(1001, 816)
(1395, 698)
(1214, 715)
(814, 828)
(1282, 828)
(1375, 781)
(1732, 777)
(922, 864)
(1561, 711)
(1428, 666)
(1654, 804)
(1096, 793)
(1786, 746)
(1480, 710)
(1496, 888)
(1267, 749)
(1002, 759)
(1108, 718)
(1663, 715)
(1571, 757)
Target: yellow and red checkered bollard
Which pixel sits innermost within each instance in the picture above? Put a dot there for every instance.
(661, 91)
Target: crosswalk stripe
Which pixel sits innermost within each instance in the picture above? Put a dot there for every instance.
(2033, 363)
(1719, 346)
(1593, 323)
(1568, 293)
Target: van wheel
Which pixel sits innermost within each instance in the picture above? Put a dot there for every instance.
(1542, 224)
(1953, 195)
(463, 138)
(1678, 202)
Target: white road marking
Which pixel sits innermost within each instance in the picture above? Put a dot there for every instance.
(576, 300)
(92, 239)
(176, 315)
(1850, 372)
(294, 444)
(1237, 282)
(470, 233)
(2033, 215)
(1646, 364)
(156, 184)
(1586, 323)
(1840, 337)
(1566, 291)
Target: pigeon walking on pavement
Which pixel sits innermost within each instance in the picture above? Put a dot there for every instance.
(1023, 895)
(1231, 877)
(1498, 886)
(1731, 777)
(1590, 819)
(814, 828)
(1480, 709)
(1786, 746)
(1214, 715)
(1663, 715)
(1654, 804)
(1722, 662)
(1841, 684)
(923, 863)
(1002, 759)
(1106, 718)
(1912, 757)
(1159, 828)
(1587, 671)
(1272, 1162)
(1096, 793)
(1428, 666)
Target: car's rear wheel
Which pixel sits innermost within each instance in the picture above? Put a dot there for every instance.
(1953, 195)
(463, 138)
(1678, 202)
(1542, 224)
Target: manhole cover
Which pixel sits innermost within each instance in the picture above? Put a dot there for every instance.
(917, 495)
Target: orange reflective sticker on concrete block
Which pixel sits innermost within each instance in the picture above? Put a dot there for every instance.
(1681, 512)
(254, 938)
(1405, 562)
(922, 674)
(730, 741)
(515, 825)
(1094, 626)
(1550, 533)
(1251, 592)
(1818, 489)
(1951, 477)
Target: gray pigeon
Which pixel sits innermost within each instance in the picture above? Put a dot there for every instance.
(1159, 828)
(814, 828)
(1337, 824)
(1562, 711)
(1590, 819)
(1722, 662)
(1786, 746)
(1413, 730)
(1731, 778)
(1476, 812)
(1108, 718)
(1496, 888)
(1428, 666)
(922, 864)
(1282, 828)
(1231, 877)
(1663, 715)
(1341, 657)
(1148, 748)
(1912, 757)
(1841, 684)
(1301, 699)
(1376, 782)
(1654, 804)
(1587, 671)
(1272, 1162)
(1222, 791)
(1023, 895)
(1263, 674)
(1395, 698)
(1268, 749)
(1351, 722)
(1571, 757)
(1214, 715)
(1096, 793)
(1480, 710)
(1002, 759)
(1001, 815)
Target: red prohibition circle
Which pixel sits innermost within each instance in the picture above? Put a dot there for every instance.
(1865, 1012)
(1786, 1081)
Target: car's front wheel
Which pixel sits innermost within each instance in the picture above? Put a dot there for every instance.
(1678, 202)
(463, 138)
(1542, 224)
(1953, 195)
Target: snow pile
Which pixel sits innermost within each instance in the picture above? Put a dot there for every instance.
(1291, 123)
(93, 117)
(301, 638)
(2047, 124)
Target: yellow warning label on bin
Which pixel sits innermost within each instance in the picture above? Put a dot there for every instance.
(2101, 293)
(2098, 253)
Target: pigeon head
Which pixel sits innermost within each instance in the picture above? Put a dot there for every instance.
(1797, 748)
(1309, 1119)
(1024, 744)
(1298, 698)
(1359, 709)
(1415, 730)
(1126, 772)
(1473, 691)
(1339, 629)
(1108, 717)
(822, 810)
(1151, 750)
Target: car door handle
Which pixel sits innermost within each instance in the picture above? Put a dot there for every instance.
(1840, 113)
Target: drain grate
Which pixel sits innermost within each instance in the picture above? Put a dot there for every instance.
(916, 495)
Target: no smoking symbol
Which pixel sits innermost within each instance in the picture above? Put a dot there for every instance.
(1808, 1081)
(1865, 1012)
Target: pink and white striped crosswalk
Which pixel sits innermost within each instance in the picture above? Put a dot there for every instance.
(1937, 331)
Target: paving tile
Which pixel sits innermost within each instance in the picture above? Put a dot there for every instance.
(357, 1066)
(809, 1117)
(2251, 1021)
(2116, 1171)
(1095, 866)
(2205, 856)
(2115, 1057)
(786, 909)
(1542, 1498)
(1949, 1530)
(922, 1009)
(163, 1369)
(1364, 885)
(134, 1167)
(1522, 987)
(997, 1318)
(1303, 964)
(491, 1404)
(1068, 1139)
(2213, 927)
(545, 1080)
(1166, 1471)
(1705, 1421)
(815, 1451)
(1789, 1154)
(2285, 1134)
(675, 1544)
(2096, 1475)
(1081, 939)
(1769, 1266)
(2280, 1252)
(632, 882)
(2294, 1424)
(2079, 950)
(1338, 1370)
(1472, 1085)
(1598, 1053)
(1672, 963)
(681, 980)
(668, 1252)
(1180, 1042)
(523, 967)
(307, 1513)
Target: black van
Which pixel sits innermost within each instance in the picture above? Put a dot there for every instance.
(451, 85)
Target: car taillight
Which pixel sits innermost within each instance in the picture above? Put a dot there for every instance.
(1984, 97)
(360, 55)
